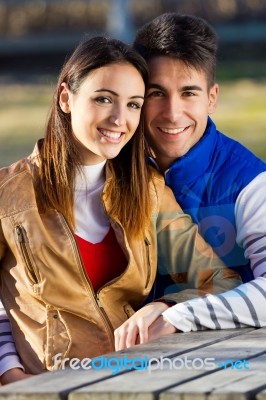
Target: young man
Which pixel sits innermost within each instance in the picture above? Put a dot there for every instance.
(216, 180)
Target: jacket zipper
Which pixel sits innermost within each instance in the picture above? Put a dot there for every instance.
(147, 244)
(95, 295)
(26, 254)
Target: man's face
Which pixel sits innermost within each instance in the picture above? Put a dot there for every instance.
(176, 108)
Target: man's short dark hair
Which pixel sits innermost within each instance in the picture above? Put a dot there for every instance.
(187, 38)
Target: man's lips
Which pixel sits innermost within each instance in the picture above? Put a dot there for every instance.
(172, 131)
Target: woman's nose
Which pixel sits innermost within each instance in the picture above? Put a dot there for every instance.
(118, 116)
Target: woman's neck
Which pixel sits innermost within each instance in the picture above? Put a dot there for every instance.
(90, 176)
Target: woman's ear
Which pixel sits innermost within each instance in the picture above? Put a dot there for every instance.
(64, 98)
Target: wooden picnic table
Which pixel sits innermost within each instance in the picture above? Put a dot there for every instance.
(224, 365)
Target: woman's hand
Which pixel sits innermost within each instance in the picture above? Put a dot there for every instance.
(145, 325)
(13, 375)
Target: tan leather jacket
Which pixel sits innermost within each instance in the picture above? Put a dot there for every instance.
(44, 287)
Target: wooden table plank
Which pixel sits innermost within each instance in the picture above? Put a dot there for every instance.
(143, 385)
(224, 384)
(177, 344)
(56, 385)
(51, 385)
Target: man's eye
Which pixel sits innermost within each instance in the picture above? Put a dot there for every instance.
(156, 93)
(103, 99)
(188, 94)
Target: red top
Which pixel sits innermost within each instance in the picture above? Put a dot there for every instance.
(103, 261)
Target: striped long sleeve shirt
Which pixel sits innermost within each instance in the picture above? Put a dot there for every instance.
(8, 355)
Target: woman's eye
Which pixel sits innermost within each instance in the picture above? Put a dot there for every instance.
(136, 106)
(102, 100)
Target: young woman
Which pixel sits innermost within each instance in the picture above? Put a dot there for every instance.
(83, 217)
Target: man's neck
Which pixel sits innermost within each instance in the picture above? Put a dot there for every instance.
(164, 163)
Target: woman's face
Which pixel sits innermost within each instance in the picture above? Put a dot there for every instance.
(105, 112)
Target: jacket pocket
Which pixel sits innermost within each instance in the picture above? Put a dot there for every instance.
(128, 310)
(31, 269)
(58, 341)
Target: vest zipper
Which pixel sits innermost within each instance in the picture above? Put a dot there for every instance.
(26, 255)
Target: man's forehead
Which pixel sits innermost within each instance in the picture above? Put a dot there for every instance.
(165, 71)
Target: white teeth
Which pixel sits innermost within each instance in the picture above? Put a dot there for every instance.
(172, 131)
(111, 135)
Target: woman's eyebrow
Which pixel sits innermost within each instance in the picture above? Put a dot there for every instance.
(107, 90)
(116, 94)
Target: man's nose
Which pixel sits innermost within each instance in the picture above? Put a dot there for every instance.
(172, 109)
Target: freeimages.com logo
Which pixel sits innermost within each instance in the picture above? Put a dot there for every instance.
(117, 364)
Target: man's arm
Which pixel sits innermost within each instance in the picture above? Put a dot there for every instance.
(250, 214)
(234, 309)
(190, 262)
(242, 306)
(184, 256)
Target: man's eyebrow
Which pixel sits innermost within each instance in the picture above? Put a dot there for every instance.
(183, 89)
(155, 86)
(191, 87)
(116, 94)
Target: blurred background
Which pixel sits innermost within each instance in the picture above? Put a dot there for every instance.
(36, 36)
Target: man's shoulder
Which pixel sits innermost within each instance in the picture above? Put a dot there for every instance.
(233, 158)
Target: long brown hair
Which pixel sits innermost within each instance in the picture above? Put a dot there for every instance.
(59, 155)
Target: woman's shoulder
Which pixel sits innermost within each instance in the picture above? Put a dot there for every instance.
(156, 176)
(14, 172)
(20, 168)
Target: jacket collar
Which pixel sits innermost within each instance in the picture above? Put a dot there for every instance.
(196, 161)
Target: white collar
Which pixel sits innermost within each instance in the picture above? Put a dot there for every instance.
(90, 176)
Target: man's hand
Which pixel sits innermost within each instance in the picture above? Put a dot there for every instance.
(146, 324)
(13, 375)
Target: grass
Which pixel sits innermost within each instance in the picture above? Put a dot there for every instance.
(23, 113)
(241, 113)
(24, 109)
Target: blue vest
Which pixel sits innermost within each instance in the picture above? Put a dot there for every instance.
(206, 182)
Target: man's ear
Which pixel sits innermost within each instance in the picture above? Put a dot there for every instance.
(64, 100)
(213, 97)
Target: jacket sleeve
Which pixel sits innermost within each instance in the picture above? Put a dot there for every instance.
(236, 308)
(9, 357)
(250, 211)
(186, 258)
